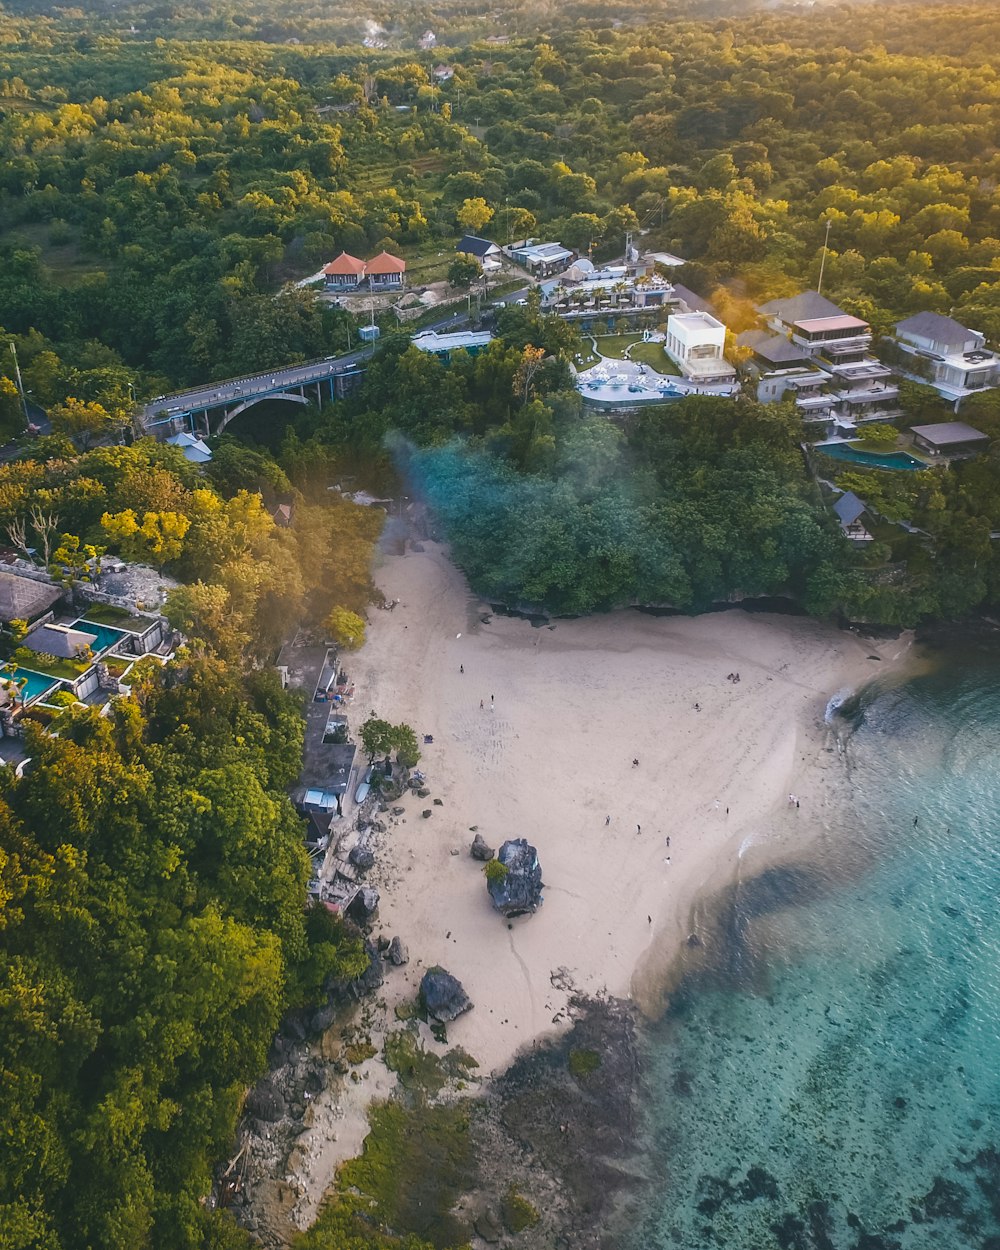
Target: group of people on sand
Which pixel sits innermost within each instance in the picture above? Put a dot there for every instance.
(733, 677)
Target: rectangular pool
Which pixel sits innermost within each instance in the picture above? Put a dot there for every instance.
(106, 636)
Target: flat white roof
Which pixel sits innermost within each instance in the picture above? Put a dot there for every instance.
(695, 321)
(431, 341)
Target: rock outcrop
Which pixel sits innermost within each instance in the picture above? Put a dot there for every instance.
(397, 953)
(519, 890)
(480, 849)
(362, 858)
(442, 995)
(363, 906)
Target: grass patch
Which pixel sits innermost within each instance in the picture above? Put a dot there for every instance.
(414, 1166)
(117, 618)
(420, 1071)
(652, 354)
(51, 666)
(583, 1062)
(613, 346)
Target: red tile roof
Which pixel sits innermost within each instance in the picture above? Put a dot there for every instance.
(384, 263)
(345, 264)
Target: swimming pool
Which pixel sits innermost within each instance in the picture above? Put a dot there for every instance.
(106, 636)
(870, 459)
(38, 683)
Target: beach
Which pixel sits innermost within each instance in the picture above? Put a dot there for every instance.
(535, 732)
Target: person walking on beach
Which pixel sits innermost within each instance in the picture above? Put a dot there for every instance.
(635, 763)
(638, 828)
(461, 668)
(480, 705)
(607, 820)
(491, 698)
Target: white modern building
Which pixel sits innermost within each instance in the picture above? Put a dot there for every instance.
(696, 342)
(946, 355)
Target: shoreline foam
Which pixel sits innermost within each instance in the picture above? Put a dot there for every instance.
(548, 757)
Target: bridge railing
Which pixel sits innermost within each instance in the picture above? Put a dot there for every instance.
(245, 378)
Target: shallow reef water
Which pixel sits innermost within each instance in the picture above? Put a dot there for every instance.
(833, 1083)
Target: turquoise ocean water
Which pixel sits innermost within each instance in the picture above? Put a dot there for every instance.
(836, 1085)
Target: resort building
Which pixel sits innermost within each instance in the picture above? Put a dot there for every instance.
(945, 354)
(863, 392)
(541, 259)
(62, 641)
(25, 599)
(696, 343)
(385, 272)
(951, 439)
(345, 273)
(443, 344)
(443, 73)
(485, 251)
(382, 273)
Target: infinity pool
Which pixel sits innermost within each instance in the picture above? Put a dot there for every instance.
(106, 636)
(871, 459)
(38, 683)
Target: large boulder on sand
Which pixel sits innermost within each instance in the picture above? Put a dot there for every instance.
(397, 953)
(519, 890)
(480, 849)
(442, 995)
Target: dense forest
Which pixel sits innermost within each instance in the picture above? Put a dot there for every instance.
(166, 172)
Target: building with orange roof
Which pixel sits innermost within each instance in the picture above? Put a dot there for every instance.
(345, 273)
(385, 272)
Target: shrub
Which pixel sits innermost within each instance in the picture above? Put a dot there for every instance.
(495, 871)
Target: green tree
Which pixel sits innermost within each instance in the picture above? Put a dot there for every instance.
(464, 270)
(346, 628)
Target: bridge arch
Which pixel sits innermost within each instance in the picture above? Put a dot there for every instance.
(229, 414)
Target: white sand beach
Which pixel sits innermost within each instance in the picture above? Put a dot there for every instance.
(536, 739)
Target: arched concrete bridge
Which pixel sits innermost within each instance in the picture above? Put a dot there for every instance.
(209, 409)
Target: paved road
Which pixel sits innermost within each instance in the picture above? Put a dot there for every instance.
(268, 382)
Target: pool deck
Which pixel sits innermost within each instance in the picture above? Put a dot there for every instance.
(625, 383)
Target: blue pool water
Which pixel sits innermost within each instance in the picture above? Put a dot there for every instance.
(871, 459)
(38, 683)
(836, 1085)
(106, 636)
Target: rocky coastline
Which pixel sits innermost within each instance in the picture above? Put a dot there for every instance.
(554, 1141)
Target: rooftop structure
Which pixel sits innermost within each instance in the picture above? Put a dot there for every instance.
(24, 599)
(807, 304)
(440, 344)
(696, 342)
(950, 438)
(192, 446)
(62, 641)
(541, 258)
(443, 73)
(382, 272)
(772, 349)
(850, 509)
(484, 250)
